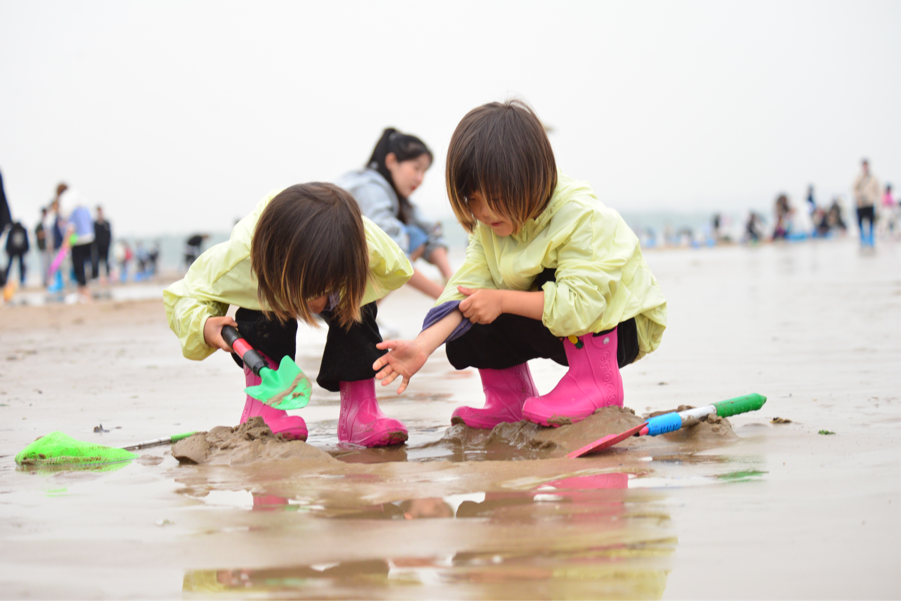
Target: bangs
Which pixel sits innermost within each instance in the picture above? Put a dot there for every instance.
(502, 152)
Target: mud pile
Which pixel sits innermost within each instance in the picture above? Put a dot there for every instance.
(537, 441)
(249, 442)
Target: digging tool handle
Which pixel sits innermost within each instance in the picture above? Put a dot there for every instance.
(742, 404)
(251, 358)
(157, 441)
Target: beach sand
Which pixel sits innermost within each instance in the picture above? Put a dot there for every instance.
(755, 510)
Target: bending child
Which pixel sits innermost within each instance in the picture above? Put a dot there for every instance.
(303, 251)
(549, 272)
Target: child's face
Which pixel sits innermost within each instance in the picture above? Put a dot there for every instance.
(317, 305)
(500, 225)
(407, 175)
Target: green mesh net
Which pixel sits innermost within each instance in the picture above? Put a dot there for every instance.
(57, 448)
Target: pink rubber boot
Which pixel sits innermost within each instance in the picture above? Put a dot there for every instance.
(362, 422)
(289, 426)
(593, 381)
(505, 392)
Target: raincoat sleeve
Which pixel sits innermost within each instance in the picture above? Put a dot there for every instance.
(191, 301)
(389, 267)
(474, 273)
(591, 257)
(375, 203)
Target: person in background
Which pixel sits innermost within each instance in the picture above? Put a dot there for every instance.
(123, 255)
(103, 236)
(811, 200)
(382, 189)
(16, 248)
(889, 210)
(866, 196)
(752, 228)
(153, 256)
(834, 216)
(79, 234)
(193, 248)
(783, 218)
(5, 220)
(143, 259)
(41, 238)
(56, 226)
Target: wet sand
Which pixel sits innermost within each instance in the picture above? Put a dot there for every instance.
(754, 510)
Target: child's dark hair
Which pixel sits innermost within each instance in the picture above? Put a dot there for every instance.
(405, 148)
(310, 241)
(501, 151)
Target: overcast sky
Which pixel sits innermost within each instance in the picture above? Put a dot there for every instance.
(178, 116)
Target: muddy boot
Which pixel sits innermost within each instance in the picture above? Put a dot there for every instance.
(505, 392)
(362, 422)
(289, 426)
(593, 381)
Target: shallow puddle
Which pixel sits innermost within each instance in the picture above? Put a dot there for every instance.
(578, 537)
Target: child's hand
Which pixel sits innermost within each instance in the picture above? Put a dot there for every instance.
(404, 358)
(212, 332)
(481, 306)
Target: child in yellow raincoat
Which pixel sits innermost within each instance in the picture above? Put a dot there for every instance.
(303, 251)
(550, 272)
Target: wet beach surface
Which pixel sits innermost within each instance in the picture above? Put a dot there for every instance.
(754, 510)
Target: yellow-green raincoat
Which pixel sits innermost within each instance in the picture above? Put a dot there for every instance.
(221, 276)
(602, 279)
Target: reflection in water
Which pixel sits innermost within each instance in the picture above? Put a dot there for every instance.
(578, 537)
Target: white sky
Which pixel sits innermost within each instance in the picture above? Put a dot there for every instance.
(179, 116)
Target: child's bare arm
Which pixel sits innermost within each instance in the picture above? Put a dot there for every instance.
(484, 305)
(406, 357)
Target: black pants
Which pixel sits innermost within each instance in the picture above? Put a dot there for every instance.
(99, 254)
(9, 267)
(512, 339)
(867, 214)
(348, 355)
(80, 255)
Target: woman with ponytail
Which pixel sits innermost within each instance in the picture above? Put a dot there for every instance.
(382, 189)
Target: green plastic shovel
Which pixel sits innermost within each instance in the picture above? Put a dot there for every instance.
(284, 388)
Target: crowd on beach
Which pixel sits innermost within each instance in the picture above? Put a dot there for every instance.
(876, 212)
(875, 209)
(76, 250)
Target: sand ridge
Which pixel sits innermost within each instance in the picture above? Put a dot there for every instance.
(253, 441)
(246, 443)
